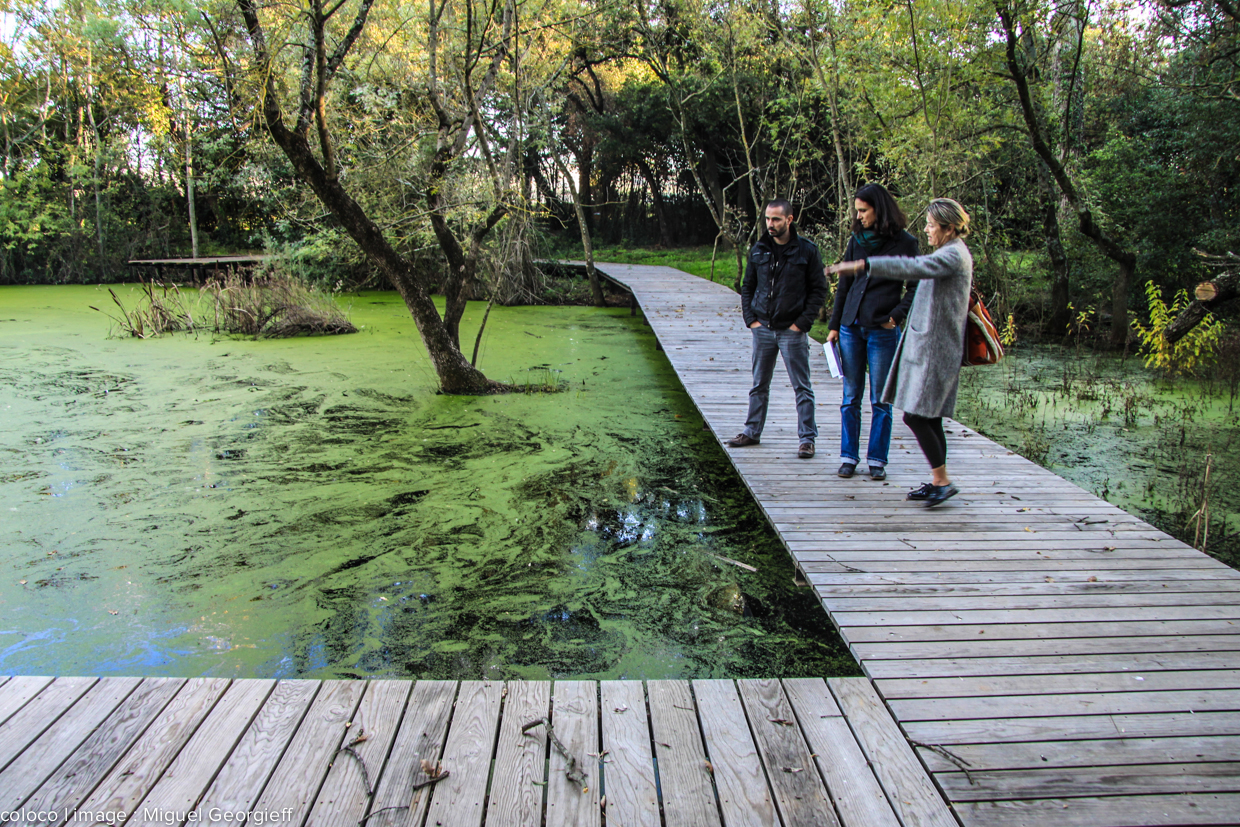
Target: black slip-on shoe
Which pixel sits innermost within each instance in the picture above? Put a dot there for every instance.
(940, 493)
(806, 451)
(919, 493)
(741, 440)
(847, 470)
(878, 472)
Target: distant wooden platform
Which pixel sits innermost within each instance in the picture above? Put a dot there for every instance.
(172, 751)
(1055, 660)
(198, 266)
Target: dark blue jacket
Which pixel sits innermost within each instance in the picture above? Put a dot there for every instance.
(781, 297)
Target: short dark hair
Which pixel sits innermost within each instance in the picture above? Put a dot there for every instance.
(890, 218)
(782, 203)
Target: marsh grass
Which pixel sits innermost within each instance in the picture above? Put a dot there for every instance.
(1122, 431)
(161, 308)
(271, 305)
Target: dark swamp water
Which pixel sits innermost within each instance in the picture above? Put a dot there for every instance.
(310, 507)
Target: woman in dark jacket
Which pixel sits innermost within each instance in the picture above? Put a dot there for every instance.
(925, 375)
(866, 323)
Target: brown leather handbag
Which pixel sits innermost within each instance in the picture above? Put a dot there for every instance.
(981, 337)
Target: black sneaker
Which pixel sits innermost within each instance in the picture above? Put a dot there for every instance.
(878, 472)
(919, 493)
(847, 470)
(940, 493)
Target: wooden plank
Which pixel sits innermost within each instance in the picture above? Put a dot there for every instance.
(1090, 753)
(1074, 727)
(688, 798)
(144, 763)
(296, 781)
(914, 603)
(1124, 681)
(190, 773)
(419, 738)
(1053, 646)
(575, 716)
(40, 759)
(1091, 703)
(1027, 667)
(628, 774)
(800, 793)
(242, 778)
(740, 780)
(1134, 811)
(908, 789)
(458, 800)
(345, 794)
(859, 798)
(1054, 782)
(18, 691)
(1043, 631)
(98, 754)
(26, 725)
(516, 796)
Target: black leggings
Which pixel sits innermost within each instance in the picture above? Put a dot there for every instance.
(930, 436)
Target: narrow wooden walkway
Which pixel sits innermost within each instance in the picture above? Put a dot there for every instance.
(171, 751)
(1054, 659)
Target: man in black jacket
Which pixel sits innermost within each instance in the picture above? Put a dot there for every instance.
(783, 289)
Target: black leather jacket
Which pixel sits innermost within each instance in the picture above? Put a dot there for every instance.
(881, 299)
(781, 297)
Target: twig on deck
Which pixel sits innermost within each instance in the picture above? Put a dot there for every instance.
(950, 756)
(573, 771)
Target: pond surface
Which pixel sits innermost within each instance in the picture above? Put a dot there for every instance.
(1122, 432)
(311, 507)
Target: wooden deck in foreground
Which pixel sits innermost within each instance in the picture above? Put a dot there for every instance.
(172, 751)
(1054, 660)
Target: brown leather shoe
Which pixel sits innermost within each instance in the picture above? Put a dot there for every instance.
(741, 440)
(806, 451)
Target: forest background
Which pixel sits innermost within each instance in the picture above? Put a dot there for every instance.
(446, 146)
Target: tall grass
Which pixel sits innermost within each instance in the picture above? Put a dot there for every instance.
(271, 305)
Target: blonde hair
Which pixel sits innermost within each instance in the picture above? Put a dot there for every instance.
(949, 213)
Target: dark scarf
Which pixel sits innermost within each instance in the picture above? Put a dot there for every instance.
(868, 240)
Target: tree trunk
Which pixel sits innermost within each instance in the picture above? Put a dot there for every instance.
(1210, 296)
(456, 375)
(1125, 259)
(1060, 317)
(189, 190)
(666, 236)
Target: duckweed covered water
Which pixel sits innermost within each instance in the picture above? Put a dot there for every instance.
(1120, 431)
(311, 507)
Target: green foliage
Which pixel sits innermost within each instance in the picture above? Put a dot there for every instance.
(1193, 352)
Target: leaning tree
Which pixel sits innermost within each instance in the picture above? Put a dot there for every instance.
(460, 49)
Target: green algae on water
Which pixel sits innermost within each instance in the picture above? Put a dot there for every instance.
(311, 507)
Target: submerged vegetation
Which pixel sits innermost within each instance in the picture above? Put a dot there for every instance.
(276, 508)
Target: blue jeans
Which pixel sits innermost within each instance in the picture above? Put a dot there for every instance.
(860, 348)
(794, 347)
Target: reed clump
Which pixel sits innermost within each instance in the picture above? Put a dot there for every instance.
(269, 305)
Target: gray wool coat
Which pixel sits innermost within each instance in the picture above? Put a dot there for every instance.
(925, 373)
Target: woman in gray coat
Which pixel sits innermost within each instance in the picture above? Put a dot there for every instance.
(926, 371)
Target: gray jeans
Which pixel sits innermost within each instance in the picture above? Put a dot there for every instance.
(794, 347)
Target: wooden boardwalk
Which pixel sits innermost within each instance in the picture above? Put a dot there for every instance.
(1053, 659)
(172, 751)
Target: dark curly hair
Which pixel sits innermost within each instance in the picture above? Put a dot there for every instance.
(891, 219)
